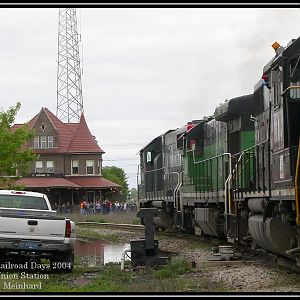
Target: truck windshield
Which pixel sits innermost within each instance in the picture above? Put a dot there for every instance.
(23, 202)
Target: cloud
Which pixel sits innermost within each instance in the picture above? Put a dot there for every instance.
(144, 70)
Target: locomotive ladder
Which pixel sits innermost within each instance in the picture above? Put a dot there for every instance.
(228, 183)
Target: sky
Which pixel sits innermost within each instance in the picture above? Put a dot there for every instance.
(145, 70)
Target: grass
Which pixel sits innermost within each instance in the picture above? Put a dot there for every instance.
(173, 269)
(110, 278)
(94, 234)
(128, 217)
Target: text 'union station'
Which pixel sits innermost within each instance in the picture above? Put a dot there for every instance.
(70, 161)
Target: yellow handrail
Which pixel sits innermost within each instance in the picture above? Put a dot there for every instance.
(296, 186)
(290, 88)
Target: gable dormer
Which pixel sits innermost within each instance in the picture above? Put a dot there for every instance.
(46, 134)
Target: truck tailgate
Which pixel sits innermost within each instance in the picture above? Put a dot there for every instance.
(32, 227)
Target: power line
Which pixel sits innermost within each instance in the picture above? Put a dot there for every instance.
(125, 143)
(120, 160)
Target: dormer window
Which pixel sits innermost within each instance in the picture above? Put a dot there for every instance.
(43, 141)
(36, 142)
(50, 141)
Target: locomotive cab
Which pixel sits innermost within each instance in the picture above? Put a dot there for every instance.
(273, 208)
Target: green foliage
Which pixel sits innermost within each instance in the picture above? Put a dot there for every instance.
(8, 183)
(118, 176)
(133, 193)
(173, 269)
(110, 279)
(94, 234)
(13, 155)
(136, 221)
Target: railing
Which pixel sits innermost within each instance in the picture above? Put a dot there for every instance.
(158, 183)
(244, 172)
(250, 170)
(210, 175)
(176, 192)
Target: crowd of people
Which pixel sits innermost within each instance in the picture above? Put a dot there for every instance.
(99, 207)
(103, 207)
(65, 208)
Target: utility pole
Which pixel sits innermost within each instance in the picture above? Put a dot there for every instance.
(69, 88)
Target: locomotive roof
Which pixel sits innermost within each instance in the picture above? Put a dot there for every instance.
(157, 139)
(234, 107)
(291, 49)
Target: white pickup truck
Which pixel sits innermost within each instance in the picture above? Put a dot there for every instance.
(30, 231)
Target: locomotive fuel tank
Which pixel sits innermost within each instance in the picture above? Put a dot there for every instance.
(271, 234)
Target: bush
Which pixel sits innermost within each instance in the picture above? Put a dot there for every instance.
(174, 269)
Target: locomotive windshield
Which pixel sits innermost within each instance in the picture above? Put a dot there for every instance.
(295, 92)
(294, 72)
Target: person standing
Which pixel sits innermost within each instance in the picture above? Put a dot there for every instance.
(68, 208)
(81, 208)
(98, 207)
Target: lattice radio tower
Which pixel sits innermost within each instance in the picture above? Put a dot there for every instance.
(69, 88)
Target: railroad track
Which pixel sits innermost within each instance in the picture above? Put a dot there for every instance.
(113, 225)
(258, 257)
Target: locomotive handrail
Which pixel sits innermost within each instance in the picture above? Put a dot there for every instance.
(290, 88)
(250, 148)
(207, 159)
(250, 151)
(177, 185)
(227, 181)
(138, 174)
(154, 170)
(175, 190)
(178, 192)
(296, 186)
(234, 169)
(236, 165)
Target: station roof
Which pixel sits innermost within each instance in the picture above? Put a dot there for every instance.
(46, 182)
(96, 182)
(93, 182)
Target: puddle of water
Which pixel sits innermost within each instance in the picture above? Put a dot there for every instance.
(99, 253)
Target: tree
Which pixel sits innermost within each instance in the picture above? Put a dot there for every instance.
(14, 156)
(118, 176)
(133, 194)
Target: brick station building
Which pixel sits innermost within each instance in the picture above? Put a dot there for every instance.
(70, 161)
